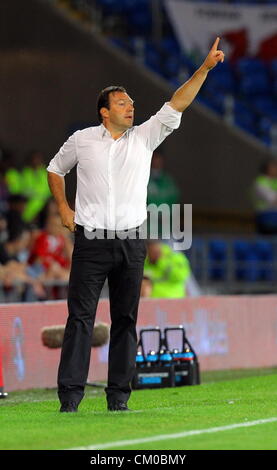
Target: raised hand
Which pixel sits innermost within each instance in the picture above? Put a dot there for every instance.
(214, 56)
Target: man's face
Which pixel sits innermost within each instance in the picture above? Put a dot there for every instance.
(121, 112)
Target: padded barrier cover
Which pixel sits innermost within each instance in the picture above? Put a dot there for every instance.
(227, 332)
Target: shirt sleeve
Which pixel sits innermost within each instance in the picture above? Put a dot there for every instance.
(159, 126)
(65, 159)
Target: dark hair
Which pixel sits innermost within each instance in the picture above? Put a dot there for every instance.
(103, 98)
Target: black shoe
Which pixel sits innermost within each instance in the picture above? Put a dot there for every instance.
(69, 407)
(117, 405)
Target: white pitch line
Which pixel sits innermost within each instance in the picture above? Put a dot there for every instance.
(163, 437)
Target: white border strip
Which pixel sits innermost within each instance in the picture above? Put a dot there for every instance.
(163, 437)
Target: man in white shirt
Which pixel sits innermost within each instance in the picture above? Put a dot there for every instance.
(113, 165)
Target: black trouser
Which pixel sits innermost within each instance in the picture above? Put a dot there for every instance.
(93, 260)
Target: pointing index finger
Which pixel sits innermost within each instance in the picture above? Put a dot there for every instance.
(215, 44)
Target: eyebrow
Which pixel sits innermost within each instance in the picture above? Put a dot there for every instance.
(122, 99)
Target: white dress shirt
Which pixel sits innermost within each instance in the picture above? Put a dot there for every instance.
(112, 175)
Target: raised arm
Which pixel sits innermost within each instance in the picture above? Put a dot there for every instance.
(184, 95)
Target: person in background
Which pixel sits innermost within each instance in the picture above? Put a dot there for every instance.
(34, 185)
(14, 272)
(162, 189)
(265, 197)
(16, 207)
(167, 270)
(51, 251)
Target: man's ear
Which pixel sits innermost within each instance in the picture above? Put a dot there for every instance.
(104, 112)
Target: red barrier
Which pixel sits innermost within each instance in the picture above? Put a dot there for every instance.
(226, 332)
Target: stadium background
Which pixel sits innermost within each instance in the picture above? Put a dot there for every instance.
(55, 57)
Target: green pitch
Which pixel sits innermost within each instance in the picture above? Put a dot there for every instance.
(31, 420)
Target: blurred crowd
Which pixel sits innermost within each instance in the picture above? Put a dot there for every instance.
(35, 249)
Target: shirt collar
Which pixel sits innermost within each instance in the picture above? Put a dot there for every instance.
(104, 131)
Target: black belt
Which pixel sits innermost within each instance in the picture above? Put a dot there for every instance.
(105, 232)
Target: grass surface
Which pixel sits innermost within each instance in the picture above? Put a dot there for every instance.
(31, 419)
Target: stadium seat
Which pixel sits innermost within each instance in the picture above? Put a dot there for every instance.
(217, 254)
(171, 66)
(214, 102)
(273, 68)
(265, 105)
(139, 18)
(265, 253)
(222, 78)
(222, 81)
(247, 66)
(254, 84)
(274, 87)
(170, 45)
(252, 271)
(247, 261)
